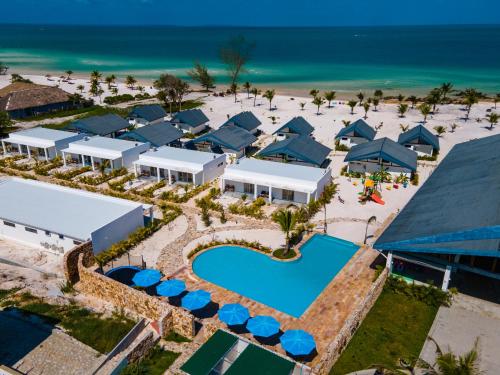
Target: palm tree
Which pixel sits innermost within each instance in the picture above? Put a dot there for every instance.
(434, 98)
(402, 109)
(440, 130)
(492, 119)
(378, 94)
(302, 105)
(413, 100)
(110, 80)
(425, 109)
(404, 128)
(102, 167)
(352, 104)
(470, 97)
(269, 95)
(376, 102)
(255, 91)
(114, 91)
(346, 123)
(287, 220)
(80, 88)
(360, 97)
(445, 89)
(366, 107)
(329, 96)
(233, 89)
(247, 87)
(318, 101)
(401, 97)
(95, 75)
(68, 74)
(314, 93)
(453, 127)
(130, 81)
(141, 89)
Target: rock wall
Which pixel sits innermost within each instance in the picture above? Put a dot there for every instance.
(70, 262)
(142, 348)
(183, 323)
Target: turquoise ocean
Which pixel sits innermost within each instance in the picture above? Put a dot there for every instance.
(344, 59)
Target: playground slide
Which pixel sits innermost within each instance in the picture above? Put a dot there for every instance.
(377, 199)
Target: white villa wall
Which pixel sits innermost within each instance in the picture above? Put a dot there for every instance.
(421, 150)
(277, 193)
(352, 141)
(129, 156)
(372, 167)
(214, 168)
(190, 129)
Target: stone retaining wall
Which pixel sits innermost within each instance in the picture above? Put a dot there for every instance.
(70, 262)
(333, 351)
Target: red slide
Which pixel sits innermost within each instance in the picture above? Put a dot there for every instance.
(377, 199)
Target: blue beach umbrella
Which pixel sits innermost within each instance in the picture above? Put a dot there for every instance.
(196, 300)
(233, 314)
(146, 278)
(297, 342)
(171, 288)
(263, 326)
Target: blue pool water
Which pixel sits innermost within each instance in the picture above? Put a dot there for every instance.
(289, 287)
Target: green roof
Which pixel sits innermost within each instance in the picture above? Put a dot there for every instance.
(208, 355)
(255, 360)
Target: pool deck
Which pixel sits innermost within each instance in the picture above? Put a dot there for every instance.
(325, 316)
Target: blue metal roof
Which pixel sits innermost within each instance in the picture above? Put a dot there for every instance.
(150, 112)
(229, 136)
(157, 135)
(245, 120)
(192, 117)
(421, 134)
(359, 128)
(99, 125)
(297, 125)
(457, 210)
(386, 149)
(303, 148)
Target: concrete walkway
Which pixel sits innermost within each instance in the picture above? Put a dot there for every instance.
(456, 328)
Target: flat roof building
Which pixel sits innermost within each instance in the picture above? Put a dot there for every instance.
(181, 165)
(93, 151)
(58, 218)
(275, 181)
(42, 142)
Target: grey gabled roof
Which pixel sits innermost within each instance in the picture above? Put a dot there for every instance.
(99, 125)
(150, 112)
(229, 136)
(245, 120)
(421, 134)
(159, 134)
(385, 149)
(297, 125)
(192, 117)
(360, 129)
(303, 148)
(457, 210)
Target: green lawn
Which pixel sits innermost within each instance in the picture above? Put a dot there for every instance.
(155, 363)
(396, 327)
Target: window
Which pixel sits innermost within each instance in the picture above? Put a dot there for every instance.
(75, 242)
(9, 224)
(31, 230)
(287, 195)
(185, 177)
(248, 188)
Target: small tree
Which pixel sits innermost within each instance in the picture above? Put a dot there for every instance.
(330, 96)
(114, 91)
(404, 128)
(378, 94)
(302, 105)
(314, 93)
(269, 95)
(318, 101)
(360, 97)
(233, 89)
(425, 110)
(130, 81)
(413, 100)
(69, 73)
(453, 127)
(235, 54)
(200, 74)
(95, 75)
(446, 88)
(80, 88)
(440, 130)
(434, 98)
(401, 97)
(247, 86)
(110, 80)
(402, 109)
(287, 220)
(492, 119)
(352, 104)
(255, 91)
(366, 107)
(5, 121)
(376, 102)
(346, 123)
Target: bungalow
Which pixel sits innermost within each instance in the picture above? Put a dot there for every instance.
(146, 115)
(109, 125)
(229, 139)
(22, 100)
(420, 140)
(301, 150)
(296, 127)
(244, 120)
(355, 134)
(274, 181)
(158, 134)
(191, 121)
(384, 154)
(41, 142)
(57, 218)
(180, 165)
(93, 151)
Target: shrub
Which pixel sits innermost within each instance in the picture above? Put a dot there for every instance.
(118, 99)
(429, 294)
(119, 185)
(251, 244)
(71, 173)
(340, 147)
(253, 210)
(171, 196)
(43, 169)
(206, 204)
(414, 179)
(97, 180)
(149, 192)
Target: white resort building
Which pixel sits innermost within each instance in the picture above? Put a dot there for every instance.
(92, 151)
(275, 181)
(180, 165)
(57, 218)
(39, 142)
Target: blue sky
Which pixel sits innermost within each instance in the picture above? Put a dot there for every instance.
(252, 12)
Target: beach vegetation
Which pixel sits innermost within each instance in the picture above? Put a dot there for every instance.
(360, 97)
(446, 89)
(469, 98)
(404, 128)
(110, 80)
(366, 107)
(156, 362)
(425, 110)
(255, 91)
(440, 130)
(318, 101)
(400, 98)
(3, 68)
(281, 253)
(434, 98)
(376, 103)
(117, 99)
(171, 90)
(330, 96)
(233, 241)
(95, 75)
(114, 91)
(14, 77)
(233, 90)
(414, 180)
(189, 192)
(413, 100)
(269, 95)
(453, 127)
(379, 94)
(5, 121)
(130, 81)
(200, 74)
(253, 209)
(247, 86)
(352, 104)
(314, 93)
(235, 54)
(492, 119)
(302, 105)
(402, 109)
(69, 73)
(80, 88)
(341, 147)
(287, 220)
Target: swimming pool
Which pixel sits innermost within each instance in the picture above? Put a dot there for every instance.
(289, 287)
